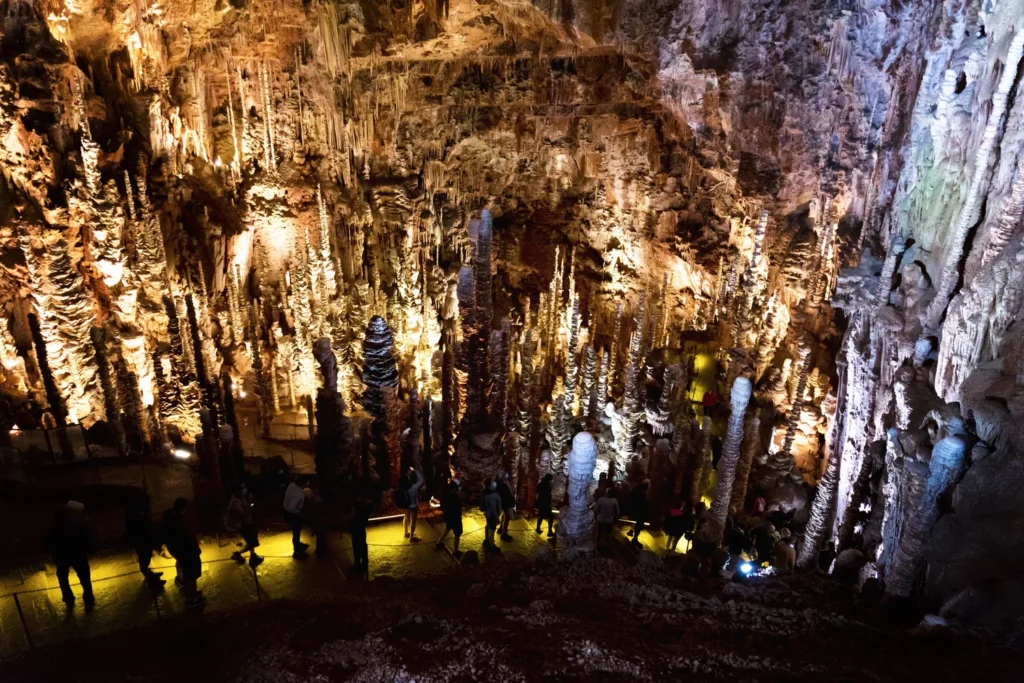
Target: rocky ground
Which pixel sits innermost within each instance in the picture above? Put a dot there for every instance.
(522, 621)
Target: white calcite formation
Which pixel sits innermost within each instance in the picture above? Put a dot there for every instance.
(576, 519)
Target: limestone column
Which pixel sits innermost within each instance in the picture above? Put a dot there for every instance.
(738, 399)
(576, 519)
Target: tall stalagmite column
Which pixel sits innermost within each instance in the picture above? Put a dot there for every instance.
(751, 444)
(738, 399)
(945, 468)
(576, 520)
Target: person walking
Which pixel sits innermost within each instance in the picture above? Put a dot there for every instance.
(639, 509)
(183, 544)
(238, 519)
(710, 400)
(492, 514)
(294, 501)
(508, 505)
(606, 511)
(138, 530)
(410, 484)
(70, 546)
(451, 511)
(674, 525)
(543, 504)
(357, 527)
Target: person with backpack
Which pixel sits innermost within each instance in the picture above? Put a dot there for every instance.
(492, 514)
(238, 520)
(294, 501)
(543, 504)
(407, 499)
(508, 505)
(451, 510)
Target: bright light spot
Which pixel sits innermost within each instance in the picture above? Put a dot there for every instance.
(182, 454)
(746, 568)
(217, 162)
(241, 394)
(15, 429)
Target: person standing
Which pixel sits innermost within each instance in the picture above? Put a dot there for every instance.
(606, 511)
(674, 525)
(138, 530)
(360, 550)
(318, 522)
(294, 501)
(70, 546)
(410, 484)
(543, 504)
(492, 514)
(238, 519)
(183, 544)
(451, 510)
(638, 508)
(508, 505)
(709, 401)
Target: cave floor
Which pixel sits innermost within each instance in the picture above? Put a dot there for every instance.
(423, 618)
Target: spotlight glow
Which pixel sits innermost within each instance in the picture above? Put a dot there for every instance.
(182, 454)
(746, 568)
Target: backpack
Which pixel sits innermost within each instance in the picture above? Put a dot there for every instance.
(401, 498)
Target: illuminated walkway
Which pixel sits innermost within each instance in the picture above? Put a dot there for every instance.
(124, 602)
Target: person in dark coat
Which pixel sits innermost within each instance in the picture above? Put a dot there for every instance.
(508, 505)
(70, 545)
(318, 522)
(138, 528)
(183, 544)
(674, 525)
(543, 504)
(360, 518)
(638, 508)
(451, 510)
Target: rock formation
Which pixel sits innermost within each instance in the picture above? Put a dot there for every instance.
(576, 519)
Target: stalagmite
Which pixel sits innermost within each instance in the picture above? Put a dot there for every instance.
(945, 467)
(109, 387)
(751, 446)
(601, 395)
(576, 519)
(379, 367)
(588, 388)
(739, 396)
(614, 365)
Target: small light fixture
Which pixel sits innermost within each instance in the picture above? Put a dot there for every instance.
(14, 429)
(241, 394)
(182, 454)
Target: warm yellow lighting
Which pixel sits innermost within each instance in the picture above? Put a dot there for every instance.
(182, 454)
(241, 394)
(15, 429)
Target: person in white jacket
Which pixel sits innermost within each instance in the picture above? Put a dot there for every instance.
(294, 501)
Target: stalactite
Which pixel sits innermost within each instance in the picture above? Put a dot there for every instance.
(751, 446)
(739, 396)
(972, 204)
(527, 406)
(498, 363)
(662, 419)
(702, 462)
(631, 408)
(571, 370)
(53, 397)
(234, 312)
(759, 232)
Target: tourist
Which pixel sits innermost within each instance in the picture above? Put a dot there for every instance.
(638, 508)
(492, 514)
(138, 528)
(606, 512)
(360, 551)
(543, 504)
(294, 501)
(783, 553)
(183, 544)
(764, 538)
(70, 546)
(709, 401)
(508, 505)
(451, 511)
(674, 525)
(409, 485)
(238, 519)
